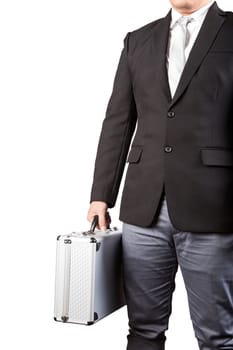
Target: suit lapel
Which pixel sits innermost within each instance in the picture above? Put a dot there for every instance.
(160, 40)
(208, 32)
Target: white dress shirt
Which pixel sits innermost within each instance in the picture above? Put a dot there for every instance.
(194, 27)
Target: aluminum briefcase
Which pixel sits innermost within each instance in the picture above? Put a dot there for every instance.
(88, 276)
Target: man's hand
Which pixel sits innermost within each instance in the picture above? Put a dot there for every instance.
(99, 208)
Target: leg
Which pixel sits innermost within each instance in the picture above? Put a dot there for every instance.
(149, 267)
(206, 261)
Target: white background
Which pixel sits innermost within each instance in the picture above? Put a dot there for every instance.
(57, 64)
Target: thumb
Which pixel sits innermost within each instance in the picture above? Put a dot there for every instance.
(102, 222)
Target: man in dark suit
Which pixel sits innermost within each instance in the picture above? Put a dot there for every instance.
(173, 91)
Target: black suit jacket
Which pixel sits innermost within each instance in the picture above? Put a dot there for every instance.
(182, 145)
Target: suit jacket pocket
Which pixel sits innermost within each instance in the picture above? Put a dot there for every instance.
(221, 52)
(134, 154)
(217, 156)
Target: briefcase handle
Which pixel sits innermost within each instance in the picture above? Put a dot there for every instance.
(94, 224)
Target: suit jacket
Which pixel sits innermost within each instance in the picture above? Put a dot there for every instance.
(181, 145)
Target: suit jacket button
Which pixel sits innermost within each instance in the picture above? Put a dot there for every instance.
(171, 114)
(168, 149)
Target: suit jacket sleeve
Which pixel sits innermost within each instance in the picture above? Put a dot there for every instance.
(116, 133)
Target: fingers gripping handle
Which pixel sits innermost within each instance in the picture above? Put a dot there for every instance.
(95, 223)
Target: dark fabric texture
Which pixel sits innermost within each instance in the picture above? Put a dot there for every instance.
(183, 145)
(150, 260)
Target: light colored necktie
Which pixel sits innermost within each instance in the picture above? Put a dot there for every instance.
(180, 39)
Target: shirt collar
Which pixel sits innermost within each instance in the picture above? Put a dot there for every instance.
(197, 15)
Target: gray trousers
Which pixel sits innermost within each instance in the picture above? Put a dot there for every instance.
(150, 261)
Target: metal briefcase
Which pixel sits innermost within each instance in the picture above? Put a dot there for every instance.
(88, 277)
